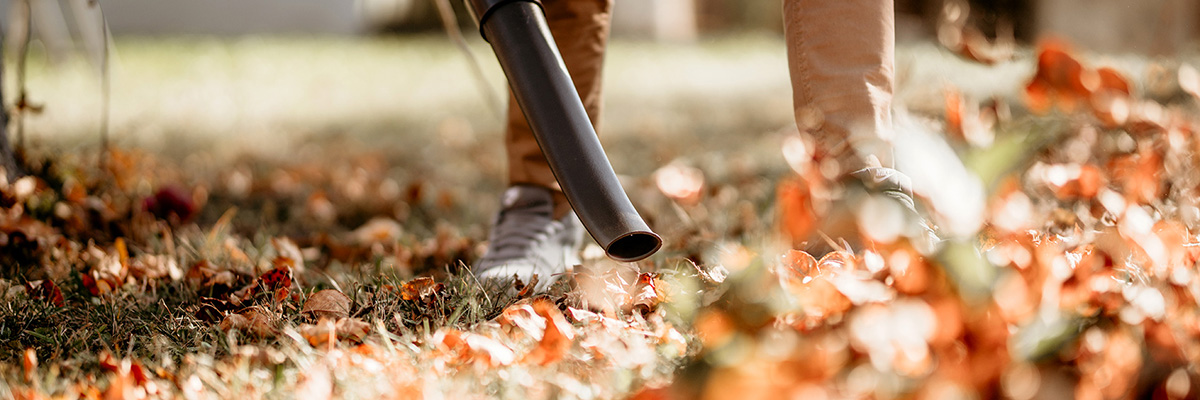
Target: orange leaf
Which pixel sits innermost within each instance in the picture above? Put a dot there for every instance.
(420, 288)
(557, 338)
(1108, 78)
(30, 362)
(1059, 79)
(797, 218)
(477, 348)
(523, 317)
(714, 328)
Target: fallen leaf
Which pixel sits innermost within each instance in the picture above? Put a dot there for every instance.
(280, 277)
(255, 321)
(422, 288)
(352, 330)
(556, 339)
(1058, 79)
(29, 361)
(45, 290)
(475, 348)
(648, 293)
(522, 316)
(797, 217)
(328, 303)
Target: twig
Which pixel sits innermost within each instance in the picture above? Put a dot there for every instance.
(22, 58)
(450, 24)
(105, 83)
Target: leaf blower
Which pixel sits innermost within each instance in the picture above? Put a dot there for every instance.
(520, 37)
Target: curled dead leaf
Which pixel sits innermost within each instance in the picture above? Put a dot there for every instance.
(648, 293)
(969, 42)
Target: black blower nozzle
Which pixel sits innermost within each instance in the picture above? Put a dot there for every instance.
(521, 39)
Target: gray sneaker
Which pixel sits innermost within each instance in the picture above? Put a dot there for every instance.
(526, 240)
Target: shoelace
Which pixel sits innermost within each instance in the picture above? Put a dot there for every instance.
(517, 230)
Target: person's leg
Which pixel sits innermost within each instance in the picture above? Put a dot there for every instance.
(580, 29)
(841, 59)
(535, 232)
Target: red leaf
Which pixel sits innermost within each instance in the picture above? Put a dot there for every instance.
(45, 290)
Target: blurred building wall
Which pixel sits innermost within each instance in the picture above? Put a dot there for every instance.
(1142, 26)
(1157, 27)
(673, 20)
(223, 17)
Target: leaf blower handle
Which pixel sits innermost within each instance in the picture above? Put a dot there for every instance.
(521, 39)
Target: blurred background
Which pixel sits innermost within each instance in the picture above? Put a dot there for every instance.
(1105, 25)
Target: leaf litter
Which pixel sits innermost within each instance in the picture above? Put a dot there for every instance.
(1073, 275)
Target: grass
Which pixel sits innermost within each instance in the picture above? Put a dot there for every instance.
(370, 164)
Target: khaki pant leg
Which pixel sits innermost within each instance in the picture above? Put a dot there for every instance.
(580, 29)
(841, 55)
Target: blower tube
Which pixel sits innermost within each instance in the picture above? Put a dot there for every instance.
(519, 36)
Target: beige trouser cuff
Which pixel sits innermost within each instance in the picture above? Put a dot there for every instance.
(841, 55)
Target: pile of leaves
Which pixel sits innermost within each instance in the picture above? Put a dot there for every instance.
(1065, 267)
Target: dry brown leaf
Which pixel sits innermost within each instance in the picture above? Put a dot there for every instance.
(328, 331)
(648, 293)
(799, 265)
(255, 321)
(352, 330)
(322, 333)
(328, 303)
